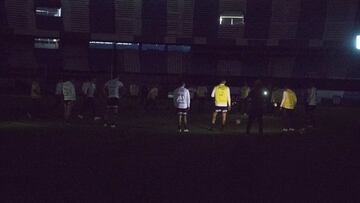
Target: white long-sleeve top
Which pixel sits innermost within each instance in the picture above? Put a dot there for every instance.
(182, 98)
(311, 96)
(69, 91)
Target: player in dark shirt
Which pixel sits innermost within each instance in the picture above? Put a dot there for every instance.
(256, 102)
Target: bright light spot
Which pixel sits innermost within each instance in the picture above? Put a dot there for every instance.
(265, 93)
(46, 43)
(54, 12)
(49, 40)
(358, 42)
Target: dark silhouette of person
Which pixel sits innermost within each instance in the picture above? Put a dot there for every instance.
(256, 102)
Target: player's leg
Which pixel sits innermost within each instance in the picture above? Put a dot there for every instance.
(107, 115)
(179, 122)
(285, 120)
(67, 111)
(84, 108)
(224, 114)
(186, 129)
(114, 112)
(108, 112)
(213, 120)
(93, 109)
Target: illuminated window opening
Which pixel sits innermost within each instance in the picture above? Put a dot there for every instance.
(54, 12)
(46, 43)
(232, 19)
(127, 45)
(101, 45)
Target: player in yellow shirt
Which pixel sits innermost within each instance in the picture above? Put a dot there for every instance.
(221, 95)
(288, 105)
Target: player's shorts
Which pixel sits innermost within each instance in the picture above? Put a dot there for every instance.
(182, 111)
(113, 102)
(222, 109)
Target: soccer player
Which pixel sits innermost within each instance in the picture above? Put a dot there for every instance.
(276, 97)
(288, 105)
(88, 90)
(311, 100)
(134, 91)
(221, 95)
(69, 99)
(35, 94)
(182, 104)
(244, 92)
(112, 88)
(151, 101)
(256, 100)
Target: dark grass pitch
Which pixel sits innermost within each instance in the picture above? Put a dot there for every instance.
(146, 160)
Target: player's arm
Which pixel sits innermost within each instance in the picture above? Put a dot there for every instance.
(213, 92)
(283, 99)
(188, 99)
(229, 98)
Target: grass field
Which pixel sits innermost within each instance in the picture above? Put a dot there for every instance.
(146, 160)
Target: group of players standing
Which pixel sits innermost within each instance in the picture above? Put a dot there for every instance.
(254, 99)
(255, 102)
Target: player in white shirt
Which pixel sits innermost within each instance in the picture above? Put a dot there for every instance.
(69, 93)
(112, 89)
(311, 101)
(244, 92)
(88, 91)
(182, 104)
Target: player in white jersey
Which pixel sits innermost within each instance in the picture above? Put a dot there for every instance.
(182, 104)
(68, 90)
(112, 89)
(88, 90)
